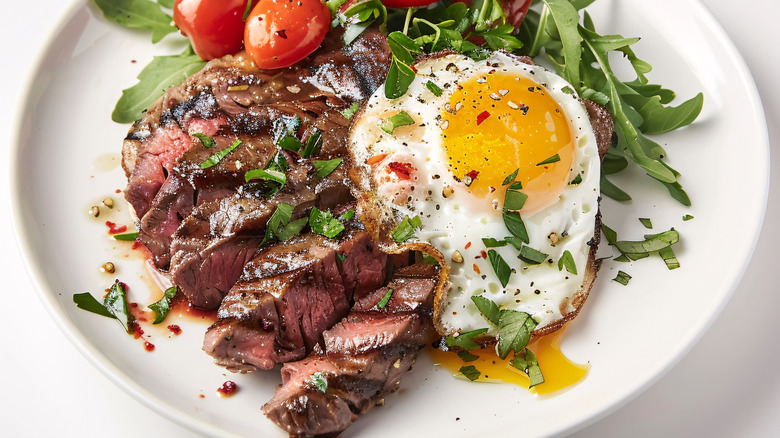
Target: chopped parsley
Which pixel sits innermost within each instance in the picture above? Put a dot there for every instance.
(217, 157)
(500, 267)
(386, 299)
(326, 167)
(126, 237)
(622, 278)
(470, 371)
(567, 260)
(394, 121)
(207, 141)
(405, 230)
(554, 159)
(163, 306)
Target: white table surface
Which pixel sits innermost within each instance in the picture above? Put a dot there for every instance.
(728, 385)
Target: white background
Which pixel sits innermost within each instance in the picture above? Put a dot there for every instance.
(728, 385)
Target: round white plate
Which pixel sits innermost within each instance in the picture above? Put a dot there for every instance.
(66, 158)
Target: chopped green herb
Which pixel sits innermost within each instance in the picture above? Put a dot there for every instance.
(163, 306)
(116, 303)
(646, 222)
(554, 159)
(434, 88)
(622, 258)
(667, 254)
(514, 331)
(266, 175)
(470, 371)
(126, 237)
(514, 199)
(367, 13)
(324, 223)
(622, 278)
(405, 230)
(429, 259)
(465, 340)
(687, 217)
(490, 242)
(510, 178)
(320, 381)
(347, 216)
(514, 223)
(610, 235)
(341, 257)
(465, 356)
(386, 299)
(567, 260)
(500, 267)
(217, 157)
(488, 308)
(531, 256)
(350, 112)
(290, 143)
(312, 145)
(652, 243)
(87, 302)
(280, 217)
(207, 141)
(526, 362)
(577, 180)
(325, 167)
(284, 126)
(394, 121)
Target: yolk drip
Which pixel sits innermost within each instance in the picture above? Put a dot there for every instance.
(559, 372)
(500, 122)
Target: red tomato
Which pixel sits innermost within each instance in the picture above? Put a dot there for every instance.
(215, 27)
(281, 33)
(407, 3)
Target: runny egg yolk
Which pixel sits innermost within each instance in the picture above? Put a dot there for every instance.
(500, 122)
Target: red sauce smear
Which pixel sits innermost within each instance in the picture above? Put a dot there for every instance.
(228, 389)
(402, 170)
(113, 229)
(148, 346)
(175, 329)
(180, 306)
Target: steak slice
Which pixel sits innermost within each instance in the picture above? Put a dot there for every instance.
(363, 360)
(288, 295)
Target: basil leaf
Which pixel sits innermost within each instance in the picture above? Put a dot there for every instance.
(531, 256)
(163, 306)
(207, 141)
(514, 331)
(154, 79)
(325, 167)
(465, 340)
(348, 113)
(266, 175)
(138, 14)
(290, 143)
(126, 237)
(280, 217)
(554, 159)
(87, 302)
(405, 230)
(116, 303)
(514, 223)
(320, 381)
(312, 145)
(490, 242)
(324, 223)
(514, 199)
(217, 157)
(622, 278)
(567, 260)
(526, 362)
(658, 118)
(646, 222)
(488, 308)
(434, 88)
(292, 229)
(510, 178)
(400, 119)
(470, 371)
(386, 299)
(465, 356)
(500, 267)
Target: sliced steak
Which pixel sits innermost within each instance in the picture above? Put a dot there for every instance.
(288, 295)
(363, 360)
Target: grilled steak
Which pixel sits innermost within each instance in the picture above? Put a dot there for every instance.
(288, 295)
(363, 359)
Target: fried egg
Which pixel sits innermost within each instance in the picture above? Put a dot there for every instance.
(470, 125)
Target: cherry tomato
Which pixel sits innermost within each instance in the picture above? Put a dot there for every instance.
(279, 33)
(407, 3)
(215, 27)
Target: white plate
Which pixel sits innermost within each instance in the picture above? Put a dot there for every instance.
(630, 335)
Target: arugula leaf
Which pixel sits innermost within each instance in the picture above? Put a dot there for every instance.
(126, 237)
(396, 120)
(385, 299)
(500, 267)
(360, 16)
(349, 112)
(465, 340)
(154, 79)
(163, 306)
(526, 362)
(470, 371)
(138, 14)
(567, 260)
(326, 167)
(218, 156)
(116, 303)
(324, 223)
(610, 190)
(87, 302)
(405, 230)
(514, 331)
(488, 308)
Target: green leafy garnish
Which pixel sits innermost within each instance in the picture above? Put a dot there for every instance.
(286, 125)
(405, 230)
(514, 199)
(400, 119)
(465, 356)
(349, 112)
(687, 217)
(126, 237)
(218, 156)
(465, 340)
(434, 88)
(324, 223)
(622, 278)
(531, 256)
(400, 75)
(514, 223)
(567, 260)
(514, 331)
(278, 222)
(488, 308)
(526, 362)
(87, 302)
(312, 145)
(163, 306)
(646, 222)
(166, 3)
(116, 303)
(154, 79)
(325, 167)
(276, 176)
(577, 180)
(470, 371)
(360, 16)
(667, 254)
(500, 267)
(320, 381)
(138, 14)
(554, 159)
(386, 299)
(510, 178)
(207, 141)
(290, 143)
(490, 242)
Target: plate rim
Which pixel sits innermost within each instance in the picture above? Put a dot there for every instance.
(46, 294)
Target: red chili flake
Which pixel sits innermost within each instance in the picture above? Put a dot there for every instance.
(414, 69)
(133, 305)
(281, 33)
(137, 244)
(133, 61)
(473, 174)
(201, 396)
(482, 117)
(476, 268)
(227, 389)
(137, 331)
(148, 346)
(117, 191)
(175, 329)
(468, 245)
(492, 189)
(375, 159)
(113, 229)
(402, 170)
(483, 254)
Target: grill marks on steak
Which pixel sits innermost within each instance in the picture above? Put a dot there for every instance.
(363, 359)
(288, 295)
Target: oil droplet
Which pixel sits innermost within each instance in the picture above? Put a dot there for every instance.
(106, 162)
(559, 372)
